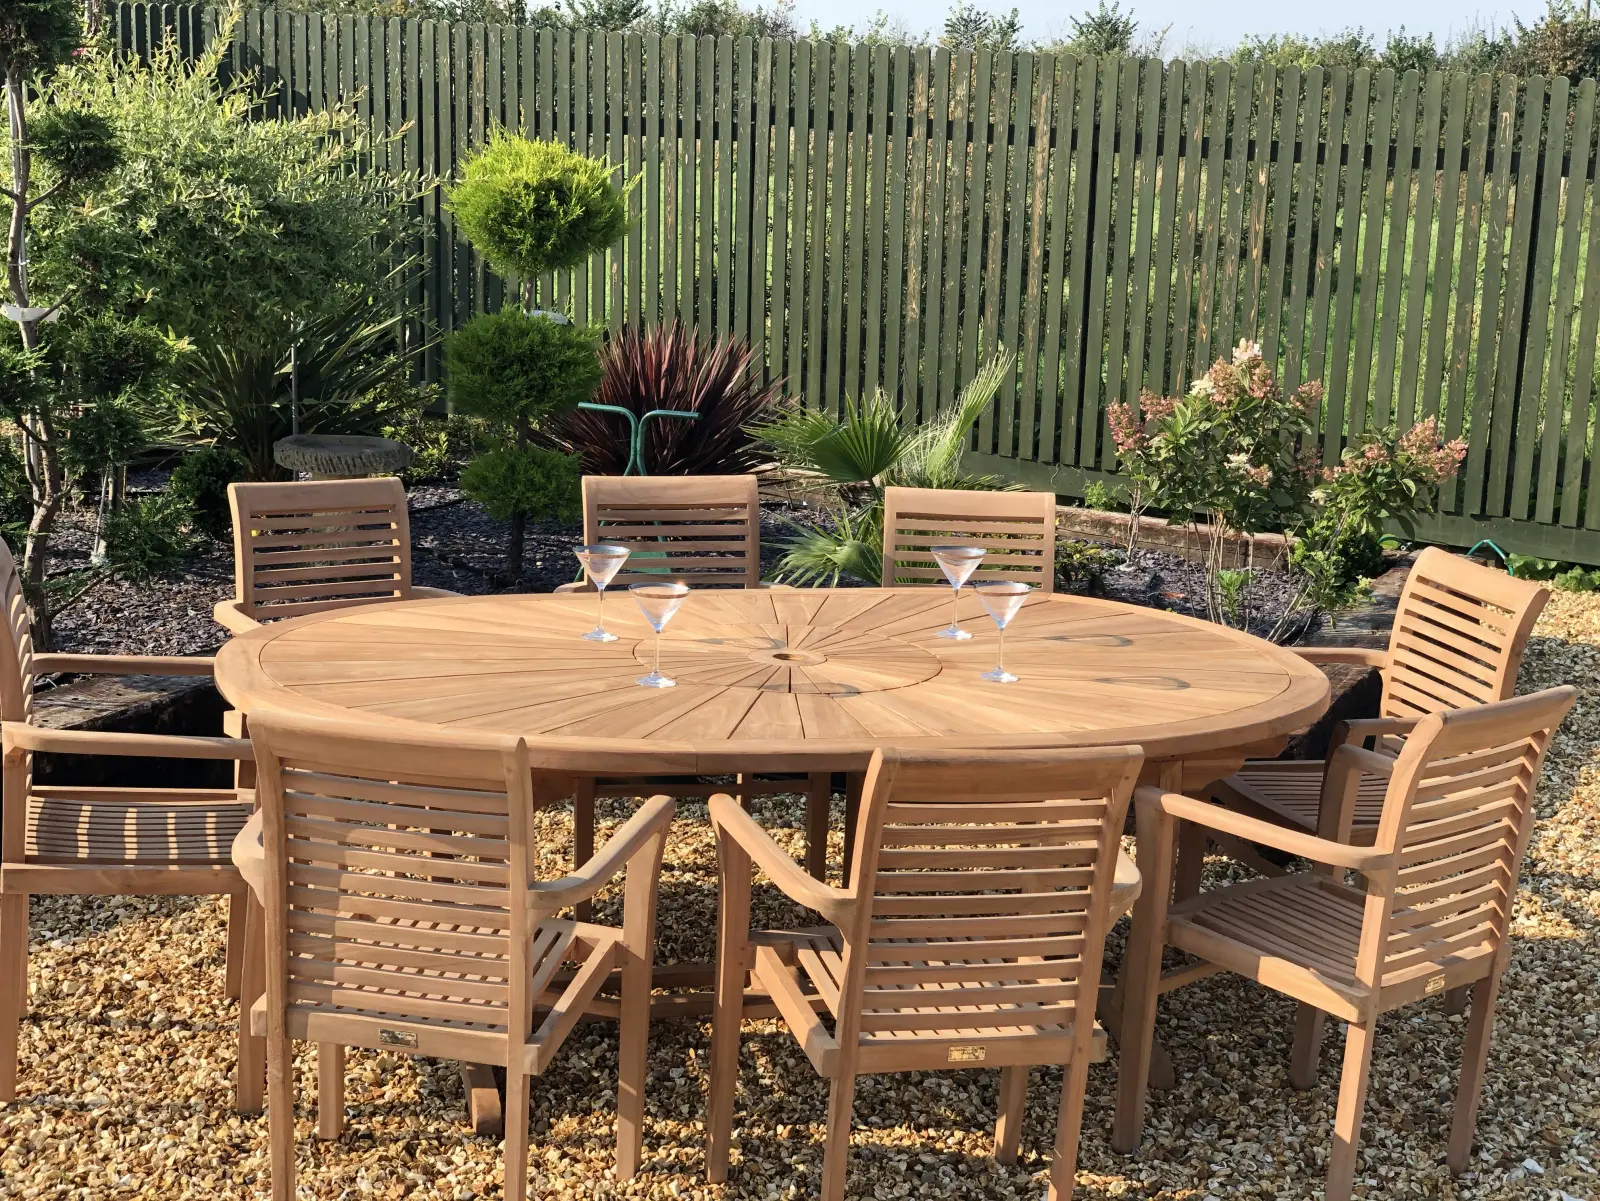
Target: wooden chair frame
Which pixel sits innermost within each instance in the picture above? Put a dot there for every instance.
(396, 874)
(65, 840)
(1434, 913)
(305, 547)
(1027, 959)
(1018, 529)
(635, 511)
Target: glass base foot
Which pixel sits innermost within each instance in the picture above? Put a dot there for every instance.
(656, 680)
(955, 632)
(998, 675)
(598, 634)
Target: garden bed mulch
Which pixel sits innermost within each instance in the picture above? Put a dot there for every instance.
(127, 1060)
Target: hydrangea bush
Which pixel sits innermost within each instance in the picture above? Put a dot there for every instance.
(1240, 454)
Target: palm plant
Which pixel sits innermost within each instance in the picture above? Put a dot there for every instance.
(853, 458)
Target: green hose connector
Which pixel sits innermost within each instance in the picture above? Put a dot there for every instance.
(1504, 558)
(636, 429)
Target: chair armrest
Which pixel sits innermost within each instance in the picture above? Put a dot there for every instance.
(575, 586)
(431, 593)
(1358, 729)
(733, 822)
(127, 665)
(653, 817)
(1215, 817)
(230, 615)
(1360, 656)
(20, 736)
(250, 856)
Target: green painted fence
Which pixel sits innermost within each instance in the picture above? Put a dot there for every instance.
(875, 216)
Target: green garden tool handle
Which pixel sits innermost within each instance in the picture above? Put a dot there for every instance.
(636, 430)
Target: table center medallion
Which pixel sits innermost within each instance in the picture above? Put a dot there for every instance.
(800, 659)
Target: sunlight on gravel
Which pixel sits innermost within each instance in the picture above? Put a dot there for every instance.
(127, 1062)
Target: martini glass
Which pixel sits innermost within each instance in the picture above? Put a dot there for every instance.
(602, 562)
(658, 602)
(958, 564)
(1002, 598)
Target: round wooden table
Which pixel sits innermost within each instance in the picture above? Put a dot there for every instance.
(790, 679)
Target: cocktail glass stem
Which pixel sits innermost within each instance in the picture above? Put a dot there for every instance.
(656, 670)
(955, 607)
(1000, 654)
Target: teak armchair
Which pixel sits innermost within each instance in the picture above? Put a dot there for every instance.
(1018, 529)
(1459, 634)
(102, 841)
(970, 934)
(1434, 914)
(706, 531)
(324, 544)
(396, 872)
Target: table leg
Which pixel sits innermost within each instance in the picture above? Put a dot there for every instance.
(485, 1107)
(854, 781)
(583, 835)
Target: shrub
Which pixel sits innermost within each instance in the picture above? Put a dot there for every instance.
(670, 367)
(201, 480)
(149, 536)
(441, 443)
(513, 481)
(1080, 562)
(532, 206)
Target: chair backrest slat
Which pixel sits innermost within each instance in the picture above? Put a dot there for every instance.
(1018, 529)
(702, 529)
(402, 870)
(1457, 818)
(1459, 633)
(305, 547)
(1002, 861)
(16, 649)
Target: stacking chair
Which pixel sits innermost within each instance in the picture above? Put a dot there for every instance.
(396, 872)
(970, 934)
(704, 530)
(325, 544)
(103, 841)
(1018, 529)
(1434, 911)
(1459, 634)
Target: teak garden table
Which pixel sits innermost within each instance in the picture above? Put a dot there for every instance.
(791, 680)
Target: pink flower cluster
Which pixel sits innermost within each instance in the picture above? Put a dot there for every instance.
(1419, 450)
(1130, 426)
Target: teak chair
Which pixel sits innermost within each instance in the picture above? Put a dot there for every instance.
(706, 531)
(324, 544)
(66, 840)
(1018, 529)
(970, 934)
(1459, 634)
(1434, 914)
(396, 871)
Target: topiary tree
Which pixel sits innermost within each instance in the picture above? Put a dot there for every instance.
(531, 207)
(528, 207)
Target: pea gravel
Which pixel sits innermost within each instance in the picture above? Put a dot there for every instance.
(127, 1061)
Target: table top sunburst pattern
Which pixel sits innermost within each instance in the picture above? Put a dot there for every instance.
(784, 672)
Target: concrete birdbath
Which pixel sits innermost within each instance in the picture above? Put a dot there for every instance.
(341, 456)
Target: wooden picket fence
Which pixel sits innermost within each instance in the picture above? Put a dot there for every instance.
(874, 216)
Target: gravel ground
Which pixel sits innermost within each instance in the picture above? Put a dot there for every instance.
(127, 1061)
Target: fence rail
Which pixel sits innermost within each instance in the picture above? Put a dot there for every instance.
(874, 216)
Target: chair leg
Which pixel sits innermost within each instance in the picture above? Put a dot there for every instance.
(13, 986)
(280, 1111)
(836, 1151)
(632, 1055)
(233, 963)
(1455, 1001)
(1474, 1059)
(330, 1091)
(1069, 1122)
(1347, 1117)
(516, 1141)
(819, 789)
(1013, 1105)
(251, 1072)
(583, 836)
(1191, 861)
(1308, 1021)
(733, 934)
(1140, 980)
